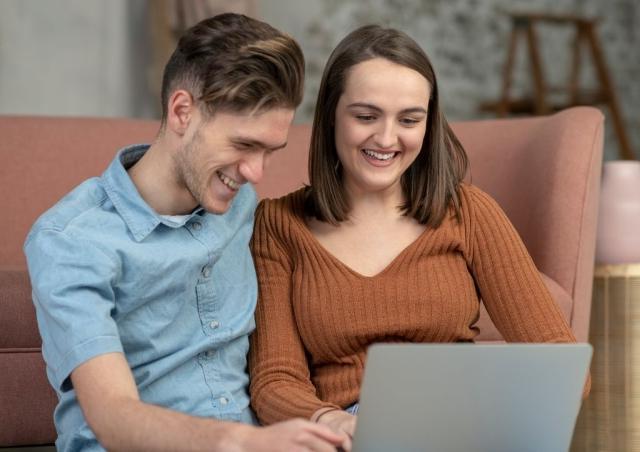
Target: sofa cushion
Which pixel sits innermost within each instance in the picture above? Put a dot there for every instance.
(18, 328)
(488, 331)
(26, 399)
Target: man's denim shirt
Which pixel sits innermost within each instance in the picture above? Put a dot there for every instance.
(111, 275)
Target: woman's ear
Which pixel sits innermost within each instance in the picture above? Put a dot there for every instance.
(180, 111)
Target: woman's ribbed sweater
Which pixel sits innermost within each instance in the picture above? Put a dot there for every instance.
(316, 316)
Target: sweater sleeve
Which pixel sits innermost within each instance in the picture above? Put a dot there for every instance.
(281, 386)
(510, 285)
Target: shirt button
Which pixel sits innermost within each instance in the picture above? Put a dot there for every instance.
(214, 324)
(196, 225)
(206, 272)
(223, 400)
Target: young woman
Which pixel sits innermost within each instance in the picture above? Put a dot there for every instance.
(387, 244)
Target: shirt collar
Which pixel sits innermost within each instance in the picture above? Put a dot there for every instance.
(139, 217)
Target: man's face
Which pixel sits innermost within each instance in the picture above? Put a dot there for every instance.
(227, 150)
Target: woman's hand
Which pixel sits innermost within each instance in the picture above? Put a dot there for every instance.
(340, 422)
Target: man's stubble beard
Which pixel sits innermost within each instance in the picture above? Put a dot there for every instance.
(187, 175)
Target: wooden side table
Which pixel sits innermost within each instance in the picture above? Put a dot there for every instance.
(610, 417)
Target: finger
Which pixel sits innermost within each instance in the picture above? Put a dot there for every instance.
(317, 444)
(350, 427)
(325, 433)
(347, 444)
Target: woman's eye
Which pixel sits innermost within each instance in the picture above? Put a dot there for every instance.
(409, 121)
(366, 117)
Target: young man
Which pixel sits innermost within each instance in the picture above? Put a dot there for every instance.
(142, 279)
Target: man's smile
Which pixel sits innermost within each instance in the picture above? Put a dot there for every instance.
(227, 181)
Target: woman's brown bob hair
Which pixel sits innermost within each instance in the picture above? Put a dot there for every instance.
(430, 184)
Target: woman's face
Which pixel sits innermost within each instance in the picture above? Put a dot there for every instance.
(380, 123)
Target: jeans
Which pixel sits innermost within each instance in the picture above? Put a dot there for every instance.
(353, 409)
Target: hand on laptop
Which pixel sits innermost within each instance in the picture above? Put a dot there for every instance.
(340, 422)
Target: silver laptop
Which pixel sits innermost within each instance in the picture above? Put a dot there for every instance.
(469, 397)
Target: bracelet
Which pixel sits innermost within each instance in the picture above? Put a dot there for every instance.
(329, 409)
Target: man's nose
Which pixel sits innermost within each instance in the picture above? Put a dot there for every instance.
(252, 167)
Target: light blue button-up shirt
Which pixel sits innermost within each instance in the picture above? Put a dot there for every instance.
(177, 298)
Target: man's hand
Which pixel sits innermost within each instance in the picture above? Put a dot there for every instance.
(340, 422)
(294, 435)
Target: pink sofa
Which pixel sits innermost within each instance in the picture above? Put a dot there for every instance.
(543, 171)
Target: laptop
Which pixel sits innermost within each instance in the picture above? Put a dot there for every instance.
(470, 397)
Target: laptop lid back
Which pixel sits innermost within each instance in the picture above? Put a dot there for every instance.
(470, 397)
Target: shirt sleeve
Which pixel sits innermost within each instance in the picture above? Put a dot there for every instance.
(281, 386)
(509, 283)
(72, 282)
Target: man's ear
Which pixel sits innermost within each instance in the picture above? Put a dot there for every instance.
(180, 111)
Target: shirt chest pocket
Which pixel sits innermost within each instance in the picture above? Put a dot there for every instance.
(225, 309)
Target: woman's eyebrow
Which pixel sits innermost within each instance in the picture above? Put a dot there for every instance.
(378, 109)
(364, 105)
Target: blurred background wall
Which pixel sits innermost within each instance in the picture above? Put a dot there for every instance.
(74, 57)
(101, 57)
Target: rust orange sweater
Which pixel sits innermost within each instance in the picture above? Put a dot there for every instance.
(316, 316)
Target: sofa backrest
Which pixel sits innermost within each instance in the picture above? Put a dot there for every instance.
(543, 171)
(44, 158)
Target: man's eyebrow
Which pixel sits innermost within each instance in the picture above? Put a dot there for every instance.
(257, 143)
(378, 109)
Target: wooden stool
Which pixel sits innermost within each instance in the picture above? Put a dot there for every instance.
(523, 25)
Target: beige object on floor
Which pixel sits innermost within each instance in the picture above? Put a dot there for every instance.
(610, 417)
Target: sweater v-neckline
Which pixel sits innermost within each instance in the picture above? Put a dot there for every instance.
(300, 219)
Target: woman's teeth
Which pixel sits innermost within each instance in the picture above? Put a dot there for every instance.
(379, 155)
(233, 185)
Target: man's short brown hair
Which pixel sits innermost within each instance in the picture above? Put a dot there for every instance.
(235, 63)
